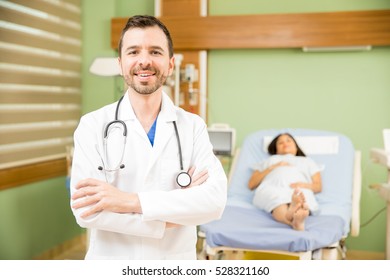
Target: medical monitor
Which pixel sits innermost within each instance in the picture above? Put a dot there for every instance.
(222, 137)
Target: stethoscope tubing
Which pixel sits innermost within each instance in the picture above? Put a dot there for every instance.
(121, 166)
(179, 145)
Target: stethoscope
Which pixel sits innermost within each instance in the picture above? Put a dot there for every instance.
(183, 179)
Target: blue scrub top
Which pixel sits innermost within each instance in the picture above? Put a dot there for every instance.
(152, 132)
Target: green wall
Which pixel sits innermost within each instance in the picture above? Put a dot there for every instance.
(96, 20)
(35, 218)
(344, 92)
(245, 7)
(347, 92)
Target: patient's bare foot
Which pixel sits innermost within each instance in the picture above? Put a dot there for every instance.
(297, 199)
(299, 217)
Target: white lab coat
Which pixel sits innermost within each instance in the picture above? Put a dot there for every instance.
(151, 172)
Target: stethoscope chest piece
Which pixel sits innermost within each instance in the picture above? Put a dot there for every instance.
(183, 179)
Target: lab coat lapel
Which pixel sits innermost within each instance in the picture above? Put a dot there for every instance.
(126, 114)
(164, 130)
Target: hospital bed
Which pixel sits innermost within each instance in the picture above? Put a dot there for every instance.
(245, 229)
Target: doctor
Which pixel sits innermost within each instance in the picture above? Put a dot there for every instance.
(142, 183)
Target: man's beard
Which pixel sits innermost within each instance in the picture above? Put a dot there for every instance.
(145, 89)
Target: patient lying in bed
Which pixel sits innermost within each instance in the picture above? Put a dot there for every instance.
(285, 183)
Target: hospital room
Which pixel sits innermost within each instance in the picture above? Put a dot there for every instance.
(251, 70)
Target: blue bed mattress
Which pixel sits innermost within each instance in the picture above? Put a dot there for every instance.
(244, 226)
(249, 228)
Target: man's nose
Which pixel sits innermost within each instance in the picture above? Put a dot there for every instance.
(144, 59)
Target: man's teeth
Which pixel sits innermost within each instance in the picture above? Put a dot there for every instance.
(144, 75)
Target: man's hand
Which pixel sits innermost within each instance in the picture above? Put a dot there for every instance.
(101, 196)
(199, 178)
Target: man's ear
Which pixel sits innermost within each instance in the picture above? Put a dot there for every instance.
(171, 65)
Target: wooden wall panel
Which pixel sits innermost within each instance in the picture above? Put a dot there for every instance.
(180, 8)
(13, 177)
(275, 31)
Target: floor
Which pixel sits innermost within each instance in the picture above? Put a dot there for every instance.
(77, 252)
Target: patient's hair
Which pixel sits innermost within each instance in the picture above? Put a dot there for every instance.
(144, 22)
(272, 145)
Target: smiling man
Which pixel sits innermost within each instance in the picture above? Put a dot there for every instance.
(144, 173)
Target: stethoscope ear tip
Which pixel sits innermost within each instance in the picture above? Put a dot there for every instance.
(100, 168)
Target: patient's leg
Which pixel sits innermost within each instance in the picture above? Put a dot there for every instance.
(280, 214)
(299, 217)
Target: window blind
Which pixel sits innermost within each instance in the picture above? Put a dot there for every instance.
(40, 79)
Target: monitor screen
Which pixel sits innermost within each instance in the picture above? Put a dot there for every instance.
(221, 141)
